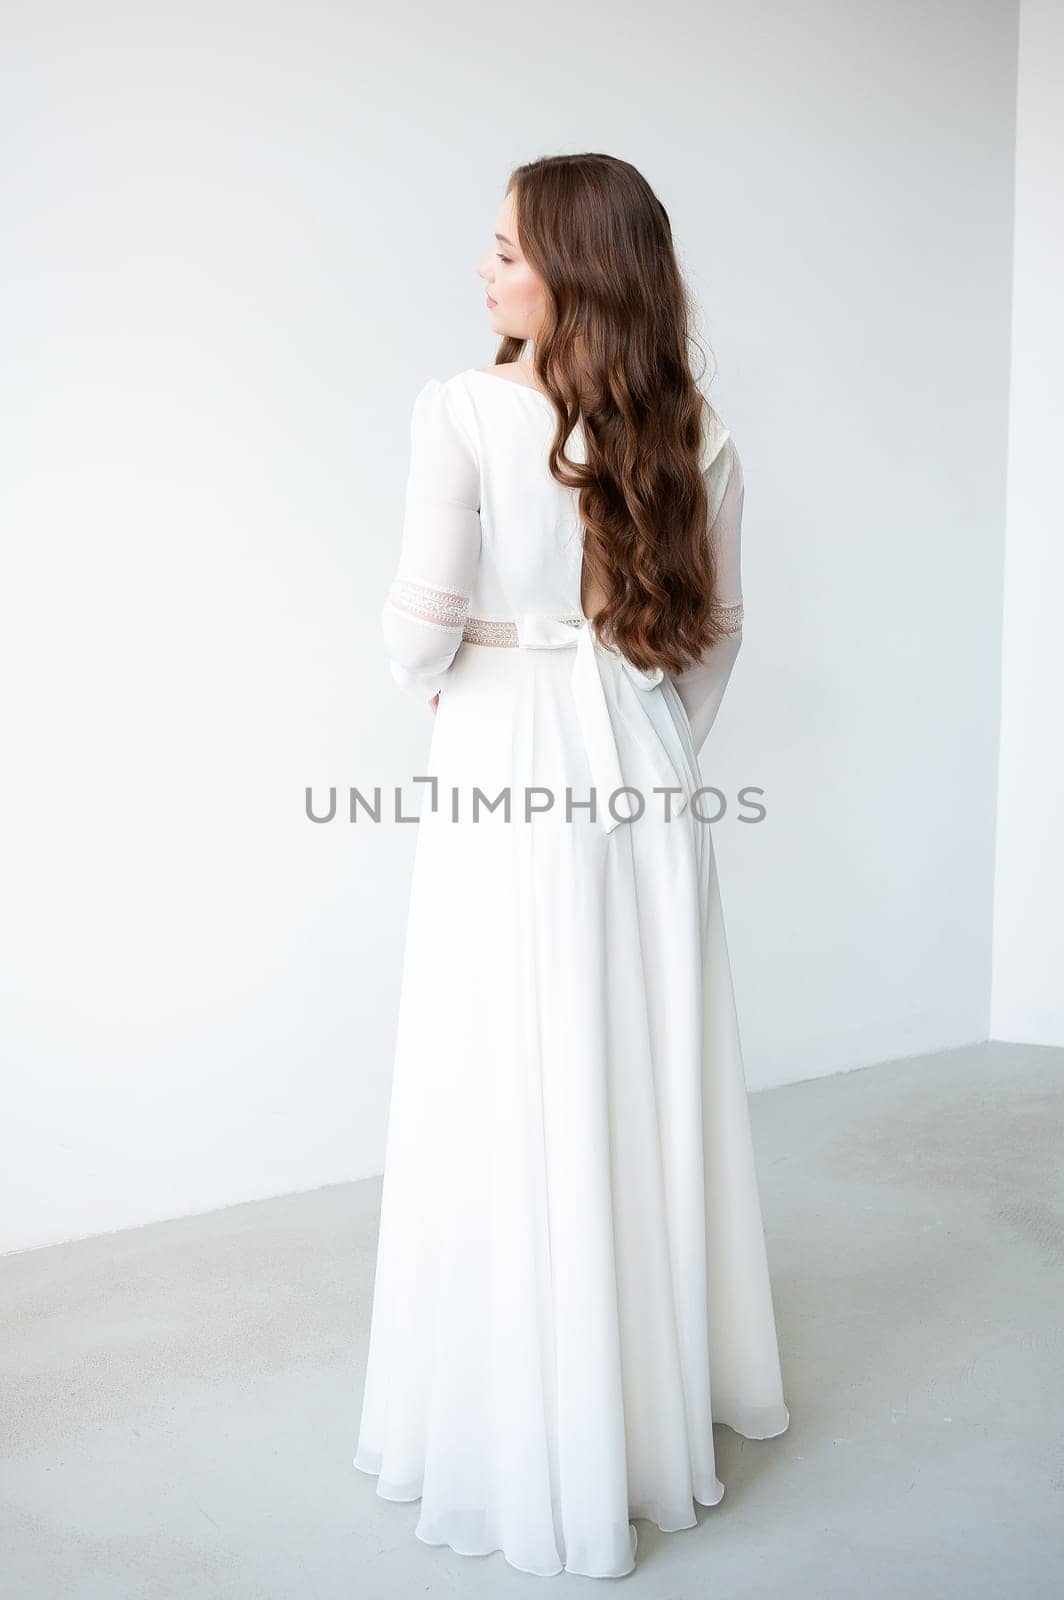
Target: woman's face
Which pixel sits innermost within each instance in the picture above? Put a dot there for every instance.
(515, 298)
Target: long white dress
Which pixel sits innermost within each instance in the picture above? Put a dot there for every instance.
(571, 1283)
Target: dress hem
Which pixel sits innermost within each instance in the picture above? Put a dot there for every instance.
(579, 1572)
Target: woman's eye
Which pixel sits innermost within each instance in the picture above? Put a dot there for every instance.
(501, 256)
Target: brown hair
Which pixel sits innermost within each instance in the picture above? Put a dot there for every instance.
(612, 354)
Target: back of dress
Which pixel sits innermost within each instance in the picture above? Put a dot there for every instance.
(572, 1281)
(489, 535)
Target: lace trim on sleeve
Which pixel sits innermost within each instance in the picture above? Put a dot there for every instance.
(440, 608)
(731, 618)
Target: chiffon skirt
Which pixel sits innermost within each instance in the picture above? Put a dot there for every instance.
(571, 1280)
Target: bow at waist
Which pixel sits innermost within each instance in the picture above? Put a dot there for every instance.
(539, 630)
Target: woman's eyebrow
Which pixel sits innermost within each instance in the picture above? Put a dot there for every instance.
(503, 238)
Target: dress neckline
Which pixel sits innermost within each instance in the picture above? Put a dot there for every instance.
(512, 383)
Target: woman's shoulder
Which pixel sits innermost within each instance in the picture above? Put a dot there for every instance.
(437, 394)
(442, 406)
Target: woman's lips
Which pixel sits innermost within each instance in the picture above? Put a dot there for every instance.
(492, 302)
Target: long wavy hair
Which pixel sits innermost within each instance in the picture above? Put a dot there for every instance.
(612, 354)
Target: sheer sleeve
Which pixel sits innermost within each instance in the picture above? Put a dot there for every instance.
(427, 601)
(701, 685)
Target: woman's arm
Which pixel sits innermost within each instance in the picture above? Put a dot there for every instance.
(427, 601)
(701, 686)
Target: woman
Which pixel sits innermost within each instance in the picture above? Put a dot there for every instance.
(571, 1282)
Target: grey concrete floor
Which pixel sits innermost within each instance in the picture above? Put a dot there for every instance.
(181, 1400)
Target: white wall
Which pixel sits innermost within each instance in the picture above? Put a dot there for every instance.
(238, 239)
(1028, 990)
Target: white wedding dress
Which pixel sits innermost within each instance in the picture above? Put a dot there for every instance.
(572, 1282)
